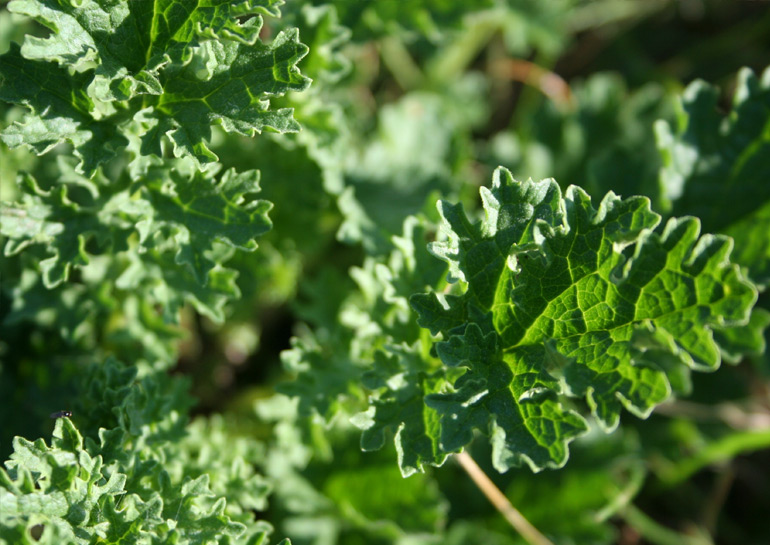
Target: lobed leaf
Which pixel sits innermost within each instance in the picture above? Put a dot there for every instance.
(158, 69)
(60, 487)
(404, 380)
(710, 159)
(563, 298)
(64, 226)
(201, 211)
(60, 111)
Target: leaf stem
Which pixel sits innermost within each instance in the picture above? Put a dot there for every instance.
(531, 534)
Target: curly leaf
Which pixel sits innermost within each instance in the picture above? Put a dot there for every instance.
(138, 31)
(324, 35)
(156, 69)
(133, 473)
(325, 377)
(202, 211)
(236, 96)
(158, 274)
(60, 487)
(60, 111)
(561, 292)
(64, 226)
(710, 159)
(401, 409)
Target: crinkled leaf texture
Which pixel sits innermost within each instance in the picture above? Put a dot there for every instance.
(201, 210)
(374, 362)
(133, 472)
(154, 69)
(60, 487)
(562, 299)
(188, 222)
(710, 159)
(61, 494)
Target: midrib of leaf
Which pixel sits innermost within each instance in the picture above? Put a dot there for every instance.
(153, 32)
(173, 36)
(164, 101)
(529, 337)
(506, 297)
(750, 150)
(189, 211)
(534, 338)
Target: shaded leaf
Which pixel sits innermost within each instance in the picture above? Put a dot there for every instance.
(710, 159)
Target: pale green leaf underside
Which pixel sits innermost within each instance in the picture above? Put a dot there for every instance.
(563, 298)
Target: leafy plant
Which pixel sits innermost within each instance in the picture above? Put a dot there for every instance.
(327, 271)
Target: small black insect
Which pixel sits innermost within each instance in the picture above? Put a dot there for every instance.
(61, 414)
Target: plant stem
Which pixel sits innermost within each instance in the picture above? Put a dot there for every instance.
(400, 63)
(657, 534)
(501, 503)
(717, 498)
(718, 451)
(459, 54)
(549, 83)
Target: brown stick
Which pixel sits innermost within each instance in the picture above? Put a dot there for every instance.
(549, 83)
(501, 503)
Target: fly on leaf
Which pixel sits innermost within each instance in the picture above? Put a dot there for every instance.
(61, 414)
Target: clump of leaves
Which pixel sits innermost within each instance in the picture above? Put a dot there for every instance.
(531, 316)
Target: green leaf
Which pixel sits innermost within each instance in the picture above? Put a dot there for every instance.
(377, 344)
(136, 474)
(211, 448)
(747, 339)
(710, 159)
(609, 130)
(560, 293)
(170, 284)
(401, 409)
(153, 69)
(752, 245)
(348, 494)
(424, 18)
(512, 398)
(235, 95)
(60, 486)
(201, 210)
(321, 31)
(369, 495)
(60, 111)
(63, 225)
(324, 378)
(418, 150)
(603, 476)
(120, 35)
